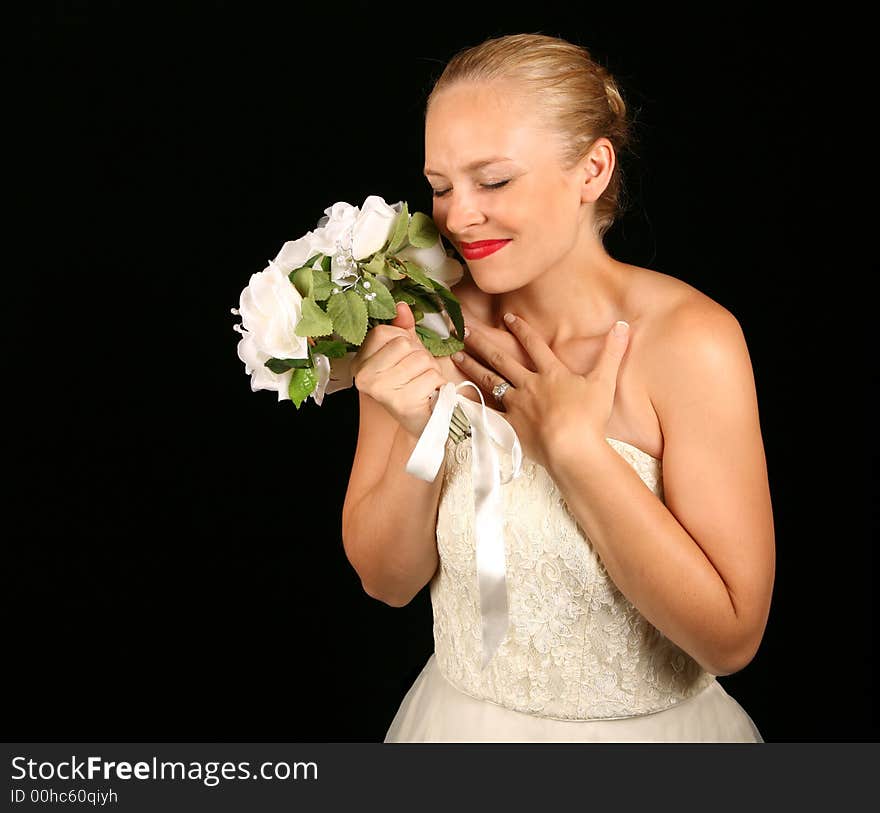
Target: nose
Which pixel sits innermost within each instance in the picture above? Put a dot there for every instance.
(462, 212)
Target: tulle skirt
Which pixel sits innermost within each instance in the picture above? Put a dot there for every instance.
(433, 710)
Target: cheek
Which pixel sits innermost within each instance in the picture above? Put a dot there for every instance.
(560, 218)
(515, 214)
(438, 215)
(534, 208)
(557, 204)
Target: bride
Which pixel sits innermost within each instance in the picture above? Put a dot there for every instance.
(639, 547)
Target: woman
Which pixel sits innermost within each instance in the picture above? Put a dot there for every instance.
(639, 545)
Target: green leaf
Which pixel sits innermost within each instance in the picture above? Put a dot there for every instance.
(425, 302)
(393, 268)
(302, 279)
(453, 308)
(281, 366)
(422, 231)
(383, 305)
(377, 264)
(277, 366)
(400, 295)
(437, 346)
(398, 234)
(419, 300)
(349, 314)
(332, 348)
(417, 274)
(302, 384)
(314, 322)
(325, 263)
(322, 285)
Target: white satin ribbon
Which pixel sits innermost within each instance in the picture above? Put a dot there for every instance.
(486, 426)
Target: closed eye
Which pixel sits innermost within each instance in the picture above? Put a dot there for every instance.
(441, 192)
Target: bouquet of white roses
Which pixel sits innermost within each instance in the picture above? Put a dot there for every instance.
(305, 316)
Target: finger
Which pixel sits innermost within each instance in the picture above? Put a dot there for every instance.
(426, 384)
(495, 357)
(616, 341)
(483, 377)
(404, 318)
(410, 367)
(539, 351)
(389, 354)
(377, 337)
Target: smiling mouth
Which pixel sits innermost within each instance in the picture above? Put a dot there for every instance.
(481, 243)
(483, 248)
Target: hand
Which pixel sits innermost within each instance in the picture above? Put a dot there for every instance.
(553, 406)
(397, 370)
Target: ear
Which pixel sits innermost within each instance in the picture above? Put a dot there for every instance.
(596, 169)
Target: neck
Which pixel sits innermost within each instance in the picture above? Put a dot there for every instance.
(579, 296)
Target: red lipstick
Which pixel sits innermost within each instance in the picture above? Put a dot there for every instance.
(482, 248)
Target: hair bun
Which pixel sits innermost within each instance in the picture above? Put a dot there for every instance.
(612, 94)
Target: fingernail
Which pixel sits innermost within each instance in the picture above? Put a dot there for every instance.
(467, 331)
(457, 356)
(620, 328)
(509, 317)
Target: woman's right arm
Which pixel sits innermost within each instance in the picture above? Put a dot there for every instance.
(389, 520)
(389, 531)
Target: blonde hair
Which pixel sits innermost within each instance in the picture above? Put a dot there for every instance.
(579, 97)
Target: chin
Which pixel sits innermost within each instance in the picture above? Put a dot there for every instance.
(494, 282)
(491, 286)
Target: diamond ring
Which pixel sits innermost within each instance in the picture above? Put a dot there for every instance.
(499, 389)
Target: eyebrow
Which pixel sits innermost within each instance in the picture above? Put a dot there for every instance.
(475, 164)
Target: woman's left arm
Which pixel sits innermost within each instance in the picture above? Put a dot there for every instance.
(700, 567)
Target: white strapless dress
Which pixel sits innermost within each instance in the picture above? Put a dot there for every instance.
(579, 663)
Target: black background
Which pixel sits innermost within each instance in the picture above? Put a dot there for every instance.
(160, 577)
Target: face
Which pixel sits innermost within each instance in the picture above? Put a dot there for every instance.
(526, 198)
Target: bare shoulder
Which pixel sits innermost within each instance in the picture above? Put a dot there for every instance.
(684, 333)
(666, 299)
(690, 359)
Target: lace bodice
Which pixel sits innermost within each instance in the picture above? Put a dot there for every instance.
(576, 648)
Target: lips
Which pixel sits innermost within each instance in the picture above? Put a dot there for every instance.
(482, 248)
(481, 243)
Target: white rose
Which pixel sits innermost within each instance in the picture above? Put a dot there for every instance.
(270, 308)
(333, 374)
(336, 225)
(262, 378)
(373, 226)
(294, 253)
(445, 270)
(325, 239)
(343, 273)
(361, 232)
